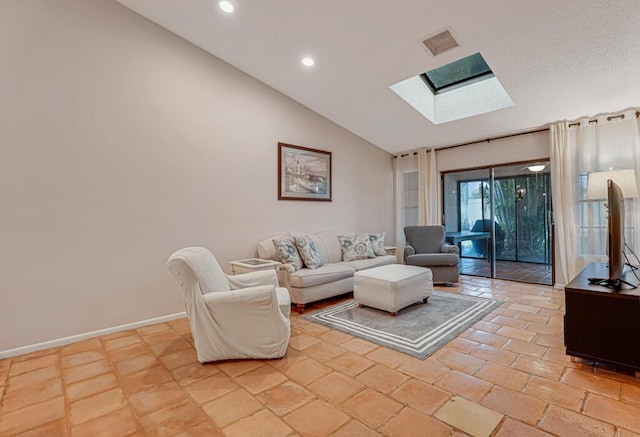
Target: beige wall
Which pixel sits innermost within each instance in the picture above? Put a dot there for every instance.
(120, 143)
(520, 148)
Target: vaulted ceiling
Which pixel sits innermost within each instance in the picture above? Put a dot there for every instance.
(557, 59)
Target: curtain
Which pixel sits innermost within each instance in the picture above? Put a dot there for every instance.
(606, 143)
(428, 189)
(563, 185)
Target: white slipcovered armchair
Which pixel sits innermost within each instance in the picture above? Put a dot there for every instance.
(241, 316)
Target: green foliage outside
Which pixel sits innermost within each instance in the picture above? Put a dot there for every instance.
(521, 209)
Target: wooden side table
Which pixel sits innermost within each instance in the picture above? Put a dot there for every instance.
(391, 250)
(252, 265)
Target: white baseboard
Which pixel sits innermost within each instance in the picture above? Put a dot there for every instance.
(79, 337)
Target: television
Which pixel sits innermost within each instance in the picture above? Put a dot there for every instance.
(615, 231)
(615, 239)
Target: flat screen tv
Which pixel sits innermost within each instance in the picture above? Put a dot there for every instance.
(615, 240)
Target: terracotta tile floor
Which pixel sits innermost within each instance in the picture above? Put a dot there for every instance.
(511, 270)
(508, 375)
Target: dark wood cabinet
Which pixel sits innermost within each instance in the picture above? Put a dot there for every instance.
(600, 324)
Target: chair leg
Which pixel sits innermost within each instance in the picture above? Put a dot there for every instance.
(300, 308)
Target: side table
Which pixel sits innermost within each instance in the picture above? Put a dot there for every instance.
(391, 250)
(252, 265)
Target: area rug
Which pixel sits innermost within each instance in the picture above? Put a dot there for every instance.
(418, 330)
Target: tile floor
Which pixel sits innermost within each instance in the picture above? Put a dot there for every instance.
(510, 270)
(506, 376)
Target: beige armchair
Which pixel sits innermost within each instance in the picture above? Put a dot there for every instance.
(242, 316)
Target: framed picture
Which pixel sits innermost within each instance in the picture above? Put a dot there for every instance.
(303, 173)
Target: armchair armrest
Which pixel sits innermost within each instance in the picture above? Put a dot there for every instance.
(233, 309)
(242, 296)
(253, 279)
(449, 248)
(409, 250)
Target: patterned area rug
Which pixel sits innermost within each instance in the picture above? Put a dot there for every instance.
(418, 330)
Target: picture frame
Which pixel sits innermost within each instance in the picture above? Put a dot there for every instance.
(303, 173)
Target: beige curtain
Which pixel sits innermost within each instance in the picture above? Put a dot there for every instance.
(563, 181)
(428, 189)
(606, 143)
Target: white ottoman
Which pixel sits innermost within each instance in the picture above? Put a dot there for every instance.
(392, 287)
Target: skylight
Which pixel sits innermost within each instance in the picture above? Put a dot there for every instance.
(458, 90)
(458, 73)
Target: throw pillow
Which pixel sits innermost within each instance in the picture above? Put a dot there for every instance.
(356, 247)
(309, 252)
(287, 252)
(377, 243)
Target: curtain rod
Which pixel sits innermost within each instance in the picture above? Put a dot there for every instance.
(488, 140)
(609, 118)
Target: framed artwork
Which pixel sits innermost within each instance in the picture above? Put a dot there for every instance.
(303, 173)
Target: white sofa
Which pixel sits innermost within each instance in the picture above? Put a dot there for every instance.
(333, 278)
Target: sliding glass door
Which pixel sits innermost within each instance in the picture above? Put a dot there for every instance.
(523, 208)
(500, 219)
(466, 208)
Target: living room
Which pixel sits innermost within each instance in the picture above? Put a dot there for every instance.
(123, 142)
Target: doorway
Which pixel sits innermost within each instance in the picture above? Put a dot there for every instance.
(500, 218)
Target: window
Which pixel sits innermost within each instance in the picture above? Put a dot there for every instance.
(592, 216)
(459, 73)
(411, 199)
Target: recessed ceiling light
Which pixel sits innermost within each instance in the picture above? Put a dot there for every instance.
(308, 61)
(226, 6)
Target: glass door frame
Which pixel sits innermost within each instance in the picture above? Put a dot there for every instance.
(491, 180)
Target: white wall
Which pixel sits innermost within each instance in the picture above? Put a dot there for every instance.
(520, 148)
(120, 143)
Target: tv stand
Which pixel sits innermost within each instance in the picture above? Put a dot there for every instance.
(601, 324)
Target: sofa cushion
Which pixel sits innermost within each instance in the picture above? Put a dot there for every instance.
(328, 245)
(266, 249)
(356, 247)
(433, 259)
(377, 243)
(286, 251)
(322, 275)
(363, 264)
(309, 252)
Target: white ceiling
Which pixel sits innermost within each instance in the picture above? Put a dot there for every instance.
(557, 59)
